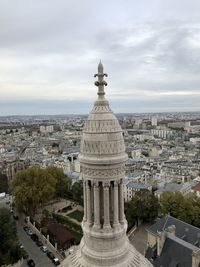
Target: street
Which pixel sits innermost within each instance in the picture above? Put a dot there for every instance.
(139, 238)
(3, 202)
(34, 252)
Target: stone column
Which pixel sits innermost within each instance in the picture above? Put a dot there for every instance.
(106, 206)
(85, 201)
(96, 206)
(111, 202)
(121, 202)
(88, 192)
(92, 200)
(116, 204)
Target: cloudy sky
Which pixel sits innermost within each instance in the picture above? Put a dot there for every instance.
(49, 51)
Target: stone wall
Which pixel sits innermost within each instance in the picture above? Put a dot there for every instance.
(43, 238)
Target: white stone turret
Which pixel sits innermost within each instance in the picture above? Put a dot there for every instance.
(102, 158)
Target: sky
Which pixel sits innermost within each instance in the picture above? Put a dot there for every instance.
(49, 52)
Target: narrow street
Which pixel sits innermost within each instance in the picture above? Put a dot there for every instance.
(139, 238)
(34, 252)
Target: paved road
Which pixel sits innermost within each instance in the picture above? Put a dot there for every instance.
(33, 250)
(139, 238)
(3, 202)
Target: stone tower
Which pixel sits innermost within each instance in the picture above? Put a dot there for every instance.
(102, 158)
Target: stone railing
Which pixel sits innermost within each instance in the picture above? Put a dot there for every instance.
(132, 231)
(44, 239)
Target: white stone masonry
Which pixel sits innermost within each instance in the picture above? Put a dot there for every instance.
(102, 159)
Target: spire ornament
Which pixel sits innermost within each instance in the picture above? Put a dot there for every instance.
(100, 83)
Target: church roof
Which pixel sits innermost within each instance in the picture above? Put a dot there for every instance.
(175, 254)
(184, 231)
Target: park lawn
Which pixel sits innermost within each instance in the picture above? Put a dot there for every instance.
(77, 215)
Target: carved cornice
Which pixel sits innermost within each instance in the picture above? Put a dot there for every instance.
(103, 174)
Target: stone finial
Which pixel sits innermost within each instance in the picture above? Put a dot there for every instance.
(100, 83)
(100, 68)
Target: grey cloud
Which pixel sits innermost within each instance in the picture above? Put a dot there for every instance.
(150, 46)
(164, 60)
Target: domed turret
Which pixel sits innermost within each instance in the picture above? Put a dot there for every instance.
(102, 158)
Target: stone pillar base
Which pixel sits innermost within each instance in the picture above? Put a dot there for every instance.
(133, 258)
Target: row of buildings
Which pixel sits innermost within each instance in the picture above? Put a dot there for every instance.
(159, 160)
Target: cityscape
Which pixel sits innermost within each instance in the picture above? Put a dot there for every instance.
(163, 157)
(100, 133)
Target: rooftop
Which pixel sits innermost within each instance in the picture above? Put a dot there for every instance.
(196, 187)
(184, 231)
(138, 185)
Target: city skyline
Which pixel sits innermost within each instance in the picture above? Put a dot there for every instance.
(49, 51)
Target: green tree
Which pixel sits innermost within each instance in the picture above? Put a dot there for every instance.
(77, 192)
(3, 183)
(172, 203)
(186, 209)
(10, 251)
(195, 220)
(143, 207)
(63, 182)
(32, 188)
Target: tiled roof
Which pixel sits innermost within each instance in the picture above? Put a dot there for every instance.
(196, 187)
(174, 254)
(184, 231)
(137, 185)
(173, 187)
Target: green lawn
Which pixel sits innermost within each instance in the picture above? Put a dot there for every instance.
(77, 215)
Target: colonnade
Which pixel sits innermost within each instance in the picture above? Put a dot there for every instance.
(103, 203)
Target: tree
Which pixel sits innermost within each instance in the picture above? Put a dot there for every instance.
(143, 207)
(3, 183)
(63, 182)
(195, 218)
(32, 188)
(183, 208)
(77, 192)
(10, 251)
(171, 203)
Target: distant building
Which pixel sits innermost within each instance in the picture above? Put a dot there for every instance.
(162, 133)
(184, 189)
(131, 188)
(42, 129)
(47, 129)
(138, 122)
(154, 121)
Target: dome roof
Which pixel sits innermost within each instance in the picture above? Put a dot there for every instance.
(102, 140)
